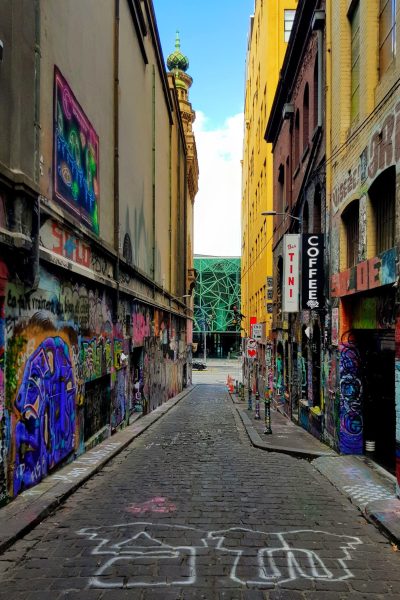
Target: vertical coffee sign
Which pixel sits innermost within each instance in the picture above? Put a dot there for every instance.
(312, 272)
(291, 252)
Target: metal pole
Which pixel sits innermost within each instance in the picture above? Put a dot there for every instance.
(257, 416)
(205, 344)
(267, 416)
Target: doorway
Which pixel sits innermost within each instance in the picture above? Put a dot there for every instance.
(377, 350)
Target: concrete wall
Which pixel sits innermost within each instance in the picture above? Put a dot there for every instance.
(18, 96)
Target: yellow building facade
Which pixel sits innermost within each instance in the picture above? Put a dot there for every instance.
(363, 199)
(269, 32)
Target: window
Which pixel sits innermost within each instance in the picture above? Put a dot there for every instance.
(382, 195)
(315, 90)
(306, 109)
(350, 219)
(288, 180)
(355, 62)
(387, 34)
(281, 188)
(306, 218)
(289, 18)
(317, 221)
(297, 139)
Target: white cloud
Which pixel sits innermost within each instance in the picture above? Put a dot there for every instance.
(217, 205)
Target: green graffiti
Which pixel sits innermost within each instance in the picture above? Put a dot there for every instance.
(14, 349)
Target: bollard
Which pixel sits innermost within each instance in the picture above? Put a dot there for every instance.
(267, 416)
(236, 386)
(257, 415)
(250, 401)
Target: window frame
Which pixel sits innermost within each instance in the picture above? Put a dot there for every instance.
(288, 13)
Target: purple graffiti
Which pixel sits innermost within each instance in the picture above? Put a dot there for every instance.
(44, 433)
(351, 419)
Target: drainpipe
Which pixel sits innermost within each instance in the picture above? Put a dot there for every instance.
(318, 25)
(320, 67)
(170, 208)
(36, 99)
(116, 152)
(154, 174)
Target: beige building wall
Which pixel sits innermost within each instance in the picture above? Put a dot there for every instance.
(82, 54)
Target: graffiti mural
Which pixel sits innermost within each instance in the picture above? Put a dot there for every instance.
(3, 483)
(397, 400)
(97, 407)
(119, 398)
(41, 400)
(76, 156)
(96, 357)
(351, 392)
(141, 324)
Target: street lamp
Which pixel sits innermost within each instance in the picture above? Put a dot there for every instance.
(273, 213)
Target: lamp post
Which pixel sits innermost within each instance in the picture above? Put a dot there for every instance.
(273, 213)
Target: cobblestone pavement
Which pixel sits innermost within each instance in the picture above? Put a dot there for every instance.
(190, 510)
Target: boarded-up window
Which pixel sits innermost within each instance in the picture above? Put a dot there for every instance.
(387, 34)
(355, 62)
(350, 219)
(382, 194)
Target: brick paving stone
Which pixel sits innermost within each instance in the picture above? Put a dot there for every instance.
(190, 510)
(288, 595)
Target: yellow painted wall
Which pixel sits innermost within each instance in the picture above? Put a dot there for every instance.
(266, 50)
(349, 139)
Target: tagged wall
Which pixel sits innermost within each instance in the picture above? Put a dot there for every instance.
(41, 399)
(71, 374)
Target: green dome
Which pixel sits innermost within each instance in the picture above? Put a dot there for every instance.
(177, 60)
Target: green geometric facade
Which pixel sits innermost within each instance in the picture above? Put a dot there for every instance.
(217, 291)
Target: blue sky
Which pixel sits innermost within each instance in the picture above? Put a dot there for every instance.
(214, 37)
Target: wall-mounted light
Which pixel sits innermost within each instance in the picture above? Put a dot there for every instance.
(273, 213)
(1, 50)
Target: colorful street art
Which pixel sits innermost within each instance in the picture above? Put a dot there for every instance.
(367, 275)
(3, 481)
(351, 391)
(97, 406)
(41, 400)
(73, 373)
(96, 357)
(76, 156)
(141, 325)
(397, 401)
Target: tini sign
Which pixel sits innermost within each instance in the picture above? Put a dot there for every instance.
(291, 276)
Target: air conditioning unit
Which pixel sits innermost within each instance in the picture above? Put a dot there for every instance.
(288, 110)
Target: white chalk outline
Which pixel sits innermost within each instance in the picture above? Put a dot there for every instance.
(267, 577)
(160, 550)
(292, 563)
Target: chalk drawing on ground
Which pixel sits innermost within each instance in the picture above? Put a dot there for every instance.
(158, 504)
(132, 559)
(285, 556)
(143, 554)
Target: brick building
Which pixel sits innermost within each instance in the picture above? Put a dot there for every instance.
(363, 169)
(296, 130)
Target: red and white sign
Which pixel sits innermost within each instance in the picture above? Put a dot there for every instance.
(251, 348)
(291, 274)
